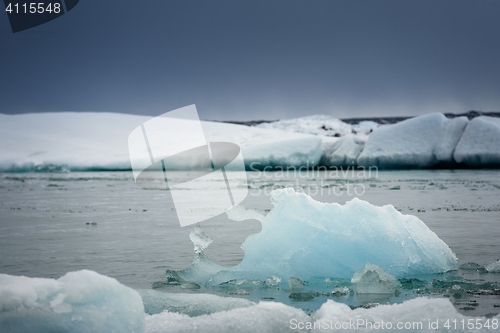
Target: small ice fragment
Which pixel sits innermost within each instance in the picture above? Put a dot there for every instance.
(470, 266)
(199, 239)
(302, 297)
(494, 267)
(273, 281)
(190, 304)
(340, 291)
(374, 280)
(295, 283)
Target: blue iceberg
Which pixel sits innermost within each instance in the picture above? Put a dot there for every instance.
(307, 239)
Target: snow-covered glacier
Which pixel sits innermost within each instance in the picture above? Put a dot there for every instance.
(98, 141)
(82, 301)
(305, 239)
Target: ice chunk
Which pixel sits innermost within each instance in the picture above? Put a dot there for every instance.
(295, 283)
(449, 140)
(374, 280)
(303, 238)
(342, 152)
(264, 317)
(414, 143)
(189, 304)
(200, 240)
(480, 142)
(494, 267)
(82, 301)
(340, 291)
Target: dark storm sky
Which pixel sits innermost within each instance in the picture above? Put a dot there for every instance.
(269, 59)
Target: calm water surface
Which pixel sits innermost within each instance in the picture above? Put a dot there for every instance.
(44, 216)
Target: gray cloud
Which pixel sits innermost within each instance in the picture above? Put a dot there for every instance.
(257, 59)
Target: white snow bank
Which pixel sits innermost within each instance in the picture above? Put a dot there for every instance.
(414, 143)
(480, 143)
(303, 238)
(82, 301)
(100, 141)
(416, 315)
(189, 304)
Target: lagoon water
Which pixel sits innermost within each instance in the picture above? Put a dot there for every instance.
(52, 223)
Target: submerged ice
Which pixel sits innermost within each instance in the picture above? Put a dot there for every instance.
(302, 238)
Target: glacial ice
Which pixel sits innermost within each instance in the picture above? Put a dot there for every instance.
(452, 132)
(98, 141)
(189, 304)
(414, 143)
(82, 301)
(304, 239)
(342, 152)
(494, 267)
(374, 280)
(480, 143)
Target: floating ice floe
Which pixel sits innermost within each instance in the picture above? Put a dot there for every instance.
(98, 141)
(494, 267)
(414, 143)
(480, 143)
(302, 238)
(189, 304)
(82, 301)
